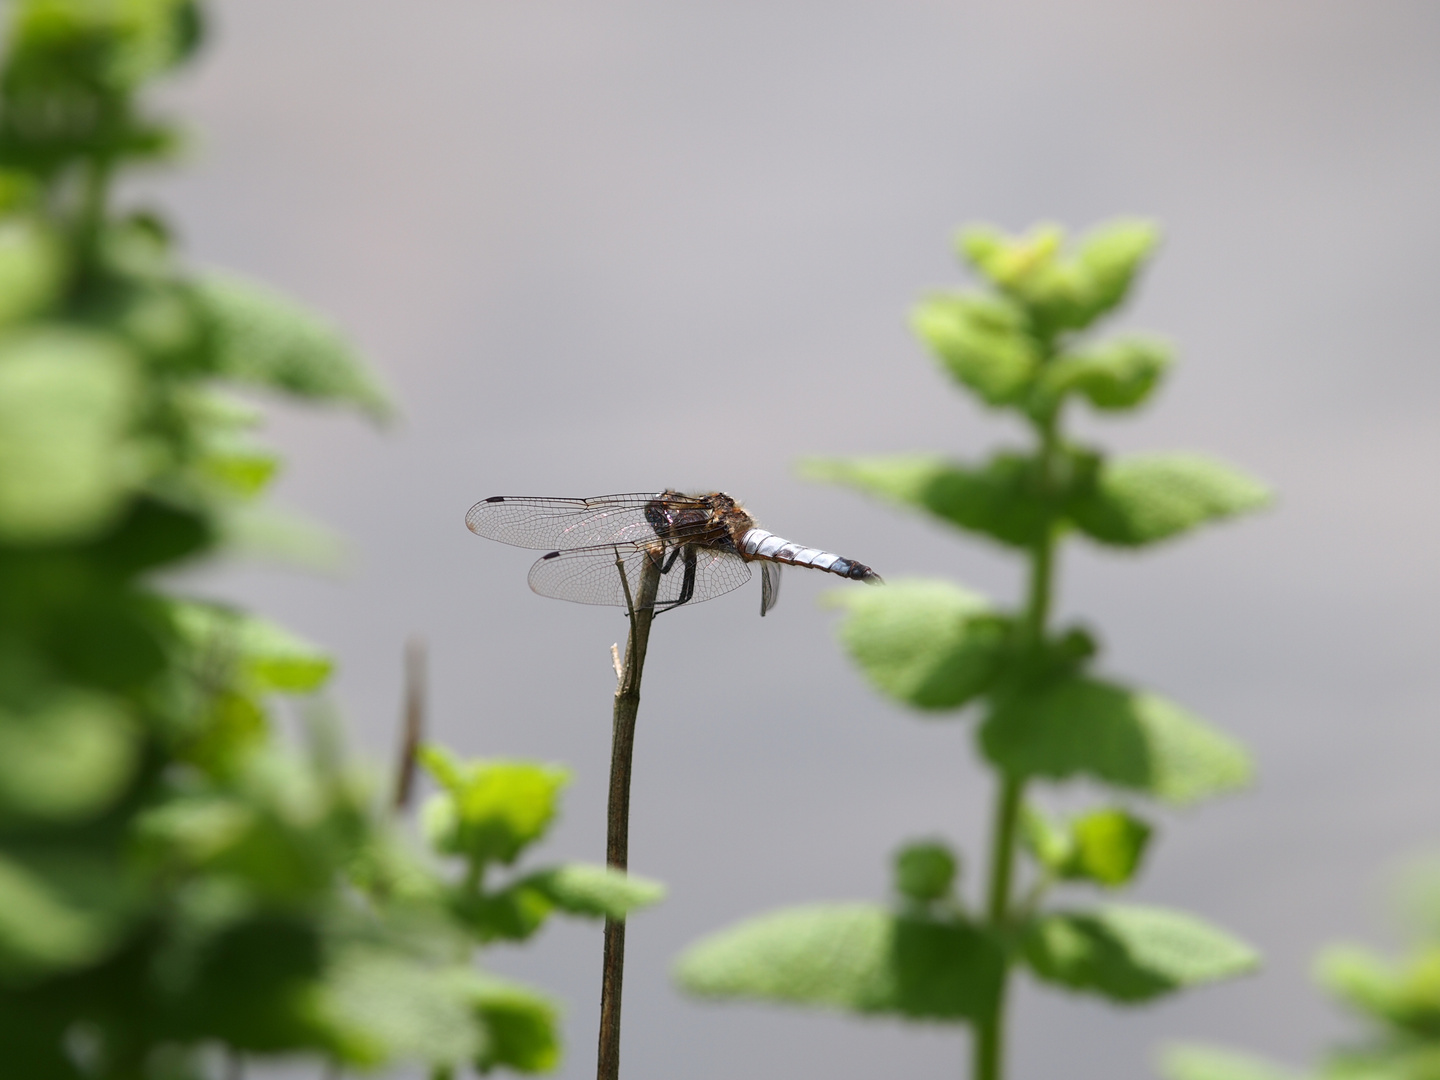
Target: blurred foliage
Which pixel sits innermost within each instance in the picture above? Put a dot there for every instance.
(176, 885)
(1020, 346)
(1395, 1002)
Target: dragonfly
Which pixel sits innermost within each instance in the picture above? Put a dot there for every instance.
(703, 546)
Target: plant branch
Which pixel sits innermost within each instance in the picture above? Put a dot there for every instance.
(617, 840)
(413, 723)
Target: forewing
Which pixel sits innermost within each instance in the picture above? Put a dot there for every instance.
(562, 523)
(591, 576)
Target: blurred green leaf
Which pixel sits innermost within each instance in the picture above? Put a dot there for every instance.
(929, 644)
(1048, 841)
(1108, 846)
(32, 268)
(68, 756)
(264, 338)
(1116, 375)
(521, 1027)
(59, 910)
(1003, 499)
(857, 957)
(1128, 738)
(1182, 1062)
(598, 891)
(1403, 996)
(268, 658)
(1130, 953)
(386, 1006)
(68, 459)
(1147, 498)
(982, 342)
(925, 871)
(490, 811)
(1062, 294)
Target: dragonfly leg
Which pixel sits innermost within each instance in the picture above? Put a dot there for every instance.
(687, 585)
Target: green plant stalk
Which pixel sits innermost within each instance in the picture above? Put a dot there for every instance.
(989, 1045)
(617, 839)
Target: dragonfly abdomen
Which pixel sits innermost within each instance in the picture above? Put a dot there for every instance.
(759, 544)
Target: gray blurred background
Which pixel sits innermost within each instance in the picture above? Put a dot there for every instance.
(614, 247)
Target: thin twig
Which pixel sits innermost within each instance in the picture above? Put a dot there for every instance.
(641, 609)
(413, 722)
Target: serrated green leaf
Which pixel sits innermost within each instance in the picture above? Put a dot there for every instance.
(925, 871)
(492, 810)
(1001, 499)
(1109, 844)
(1130, 953)
(982, 342)
(1194, 1062)
(598, 891)
(1148, 498)
(856, 957)
(66, 757)
(68, 459)
(1107, 260)
(59, 910)
(929, 644)
(1117, 375)
(264, 338)
(1128, 738)
(521, 1027)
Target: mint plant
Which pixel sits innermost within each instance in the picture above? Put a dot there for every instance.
(1021, 346)
(178, 887)
(1395, 1001)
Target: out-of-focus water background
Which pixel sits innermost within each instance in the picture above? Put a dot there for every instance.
(618, 247)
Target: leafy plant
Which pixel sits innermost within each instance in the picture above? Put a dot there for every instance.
(176, 884)
(1396, 1001)
(1020, 347)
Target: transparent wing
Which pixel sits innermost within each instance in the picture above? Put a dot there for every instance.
(570, 523)
(590, 576)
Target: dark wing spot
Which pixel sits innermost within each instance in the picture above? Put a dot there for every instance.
(551, 555)
(496, 498)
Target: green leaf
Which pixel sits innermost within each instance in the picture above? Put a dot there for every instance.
(1192, 1062)
(1059, 293)
(68, 460)
(1109, 844)
(490, 810)
(32, 268)
(856, 957)
(1147, 498)
(1130, 953)
(925, 871)
(1002, 499)
(387, 1006)
(982, 342)
(67, 757)
(269, 658)
(1128, 738)
(1117, 375)
(59, 910)
(264, 338)
(1048, 841)
(929, 644)
(521, 1027)
(108, 46)
(597, 891)
(1404, 996)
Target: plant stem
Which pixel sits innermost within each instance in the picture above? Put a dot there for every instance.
(617, 838)
(988, 1047)
(412, 725)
